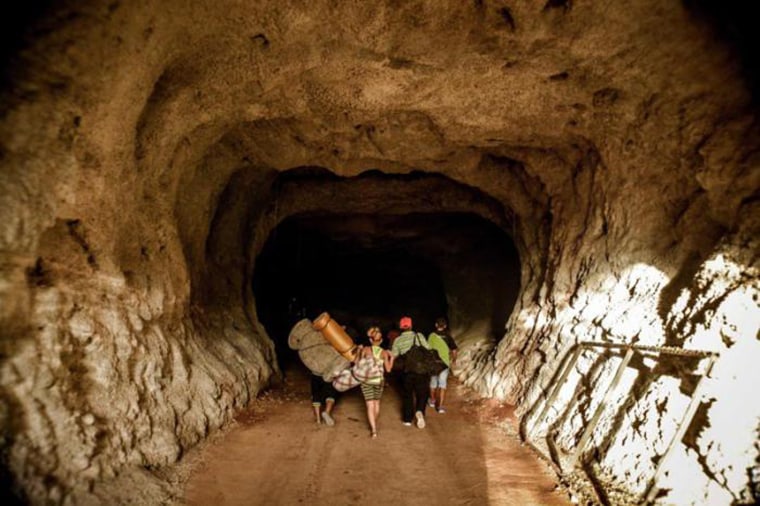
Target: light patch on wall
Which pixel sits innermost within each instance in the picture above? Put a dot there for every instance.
(654, 417)
(621, 307)
(719, 312)
(631, 309)
(528, 320)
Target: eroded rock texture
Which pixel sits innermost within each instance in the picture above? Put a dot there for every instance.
(143, 149)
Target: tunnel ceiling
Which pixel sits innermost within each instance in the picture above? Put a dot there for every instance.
(497, 95)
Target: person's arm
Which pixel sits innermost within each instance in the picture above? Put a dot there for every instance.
(388, 360)
(423, 341)
(452, 345)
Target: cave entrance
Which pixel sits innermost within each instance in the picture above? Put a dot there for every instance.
(367, 269)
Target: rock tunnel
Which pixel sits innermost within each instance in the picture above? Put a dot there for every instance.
(575, 184)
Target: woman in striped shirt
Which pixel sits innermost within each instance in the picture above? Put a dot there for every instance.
(372, 386)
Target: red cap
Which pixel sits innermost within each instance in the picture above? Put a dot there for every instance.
(405, 323)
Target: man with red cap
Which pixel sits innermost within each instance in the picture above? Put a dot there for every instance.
(414, 387)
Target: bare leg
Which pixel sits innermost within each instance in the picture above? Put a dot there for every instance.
(327, 414)
(372, 409)
(441, 397)
(432, 396)
(376, 408)
(316, 407)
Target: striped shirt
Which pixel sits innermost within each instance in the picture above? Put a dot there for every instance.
(404, 342)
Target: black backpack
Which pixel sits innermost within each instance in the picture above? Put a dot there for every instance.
(420, 360)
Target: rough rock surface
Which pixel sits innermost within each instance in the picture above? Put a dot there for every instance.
(142, 147)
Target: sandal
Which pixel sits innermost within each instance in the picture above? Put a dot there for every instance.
(328, 419)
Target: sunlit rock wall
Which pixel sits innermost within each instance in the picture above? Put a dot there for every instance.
(140, 143)
(716, 311)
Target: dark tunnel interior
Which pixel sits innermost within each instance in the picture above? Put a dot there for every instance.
(371, 269)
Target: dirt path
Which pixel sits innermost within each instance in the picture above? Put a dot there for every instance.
(276, 454)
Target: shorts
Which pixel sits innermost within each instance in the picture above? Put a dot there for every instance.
(439, 380)
(372, 392)
(322, 391)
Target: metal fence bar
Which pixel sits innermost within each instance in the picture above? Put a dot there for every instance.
(600, 408)
(691, 410)
(630, 349)
(667, 350)
(556, 388)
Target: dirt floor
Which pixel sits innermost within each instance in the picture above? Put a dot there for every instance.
(276, 454)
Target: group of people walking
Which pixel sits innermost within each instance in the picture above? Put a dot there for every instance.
(418, 391)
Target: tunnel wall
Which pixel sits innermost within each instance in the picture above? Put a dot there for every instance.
(715, 311)
(619, 142)
(109, 371)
